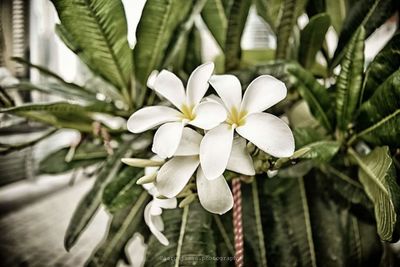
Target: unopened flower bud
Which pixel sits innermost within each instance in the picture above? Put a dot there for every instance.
(141, 163)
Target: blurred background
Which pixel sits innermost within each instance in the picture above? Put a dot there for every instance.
(29, 235)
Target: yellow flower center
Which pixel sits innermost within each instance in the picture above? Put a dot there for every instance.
(187, 112)
(236, 117)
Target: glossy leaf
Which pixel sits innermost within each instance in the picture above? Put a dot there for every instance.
(312, 38)
(122, 190)
(337, 12)
(236, 21)
(369, 14)
(289, 239)
(123, 225)
(214, 17)
(190, 239)
(384, 64)
(378, 177)
(89, 204)
(349, 82)
(379, 118)
(98, 29)
(322, 151)
(86, 154)
(313, 93)
(156, 27)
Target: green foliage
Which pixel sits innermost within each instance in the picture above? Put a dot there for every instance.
(369, 14)
(312, 38)
(97, 29)
(348, 86)
(159, 21)
(122, 190)
(191, 238)
(214, 16)
(313, 93)
(89, 204)
(378, 176)
(384, 64)
(270, 11)
(236, 21)
(379, 118)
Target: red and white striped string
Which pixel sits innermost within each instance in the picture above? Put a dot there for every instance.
(237, 222)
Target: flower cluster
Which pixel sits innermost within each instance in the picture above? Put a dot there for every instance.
(207, 135)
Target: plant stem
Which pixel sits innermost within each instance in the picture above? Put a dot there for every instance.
(237, 222)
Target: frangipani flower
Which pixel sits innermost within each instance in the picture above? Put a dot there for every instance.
(153, 210)
(215, 196)
(245, 116)
(204, 115)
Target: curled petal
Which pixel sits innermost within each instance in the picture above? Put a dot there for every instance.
(228, 88)
(167, 139)
(215, 149)
(175, 174)
(198, 83)
(240, 160)
(149, 117)
(208, 115)
(262, 93)
(153, 222)
(170, 86)
(268, 133)
(169, 203)
(190, 143)
(152, 79)
(214, 195)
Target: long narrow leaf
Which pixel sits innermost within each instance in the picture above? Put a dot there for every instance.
(349, 82)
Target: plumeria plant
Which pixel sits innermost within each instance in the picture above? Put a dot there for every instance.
(283, 156)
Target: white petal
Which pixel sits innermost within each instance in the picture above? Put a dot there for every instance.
(175, 174)
(214, 195)
(215, 149)
(262, 93)
(198, 83)
(167, 139)
(208, 115)
(148, 218)
(228, 88)
(190, 143)
(268, 133)
(149, 117)
(240, 160)
(152, 79)
(151, 170)
(155, 210)
(170, 86)
(169, 203)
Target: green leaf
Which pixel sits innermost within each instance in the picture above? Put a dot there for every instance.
(384, 64)
(312, 38)
(98, 31)
(86, 154)
(190, 239)
(236, 21)
(306, 135)
(313, 93)
(349, 82)
(89, 204)
(252, 226)
(156, 27)
(369, 14)
(321, 151)
(123, 225)
(122, 190)
(289, 238)
(378, 177)
(214, 17)
(270, 11)
(337, 12)
(286, 24)
(379, 118)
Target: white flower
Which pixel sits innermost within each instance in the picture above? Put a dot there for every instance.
(266, 131)
(153, 210)
(204, 115)
(215, 196)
